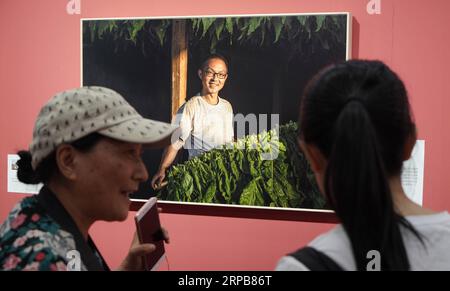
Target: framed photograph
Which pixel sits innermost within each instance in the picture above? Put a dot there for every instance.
(154, 63)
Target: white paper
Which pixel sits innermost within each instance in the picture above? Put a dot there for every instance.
(14, 185)
(412, 173)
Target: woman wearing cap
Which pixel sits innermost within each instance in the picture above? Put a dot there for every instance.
(86, 150)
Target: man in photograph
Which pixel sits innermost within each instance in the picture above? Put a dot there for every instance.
(205, 121)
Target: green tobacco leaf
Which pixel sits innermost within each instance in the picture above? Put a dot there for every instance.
(319, 20)
(278, 26)
(267, 169)
(206, 24)
(224, 184)
(210, 193)
(219, 25)
(229, 26)
(253, 25)
(240, 176)
(334, 19)
(253, 160)
(245, 22)
(195, 25)
(93, 30)
(187, 186)
(160, 32)
(293, 197)
(197, 185)
(251, 195)
(235, 169)
(202, 171)
(112, 26)
(102, 26)
(136, 26)
(278, 192)
(263, 32)
(302, 19)
(268, 188)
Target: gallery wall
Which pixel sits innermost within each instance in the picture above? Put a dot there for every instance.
(40, 55)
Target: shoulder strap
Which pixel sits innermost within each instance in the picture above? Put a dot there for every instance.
(315, 260)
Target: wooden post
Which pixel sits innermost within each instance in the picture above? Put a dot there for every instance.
(179, 64)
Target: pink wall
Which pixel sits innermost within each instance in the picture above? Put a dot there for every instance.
(40, 55)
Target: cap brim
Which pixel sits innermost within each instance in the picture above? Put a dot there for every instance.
(150, 133)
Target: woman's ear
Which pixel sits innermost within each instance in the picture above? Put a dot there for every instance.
(65, 161)
(314, 156)
(199, 72)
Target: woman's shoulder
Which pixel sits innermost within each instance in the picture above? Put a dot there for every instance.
(335, 236)
(31, 240)
(20, 215)
(289, 263)
(336, 244)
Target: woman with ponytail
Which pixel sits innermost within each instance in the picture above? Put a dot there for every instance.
(356, 129)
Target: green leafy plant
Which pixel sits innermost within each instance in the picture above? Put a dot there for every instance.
(237, 174)
(293, 32)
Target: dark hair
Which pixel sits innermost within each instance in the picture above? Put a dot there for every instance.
(358, 115)
(213, 56)
(47, 167)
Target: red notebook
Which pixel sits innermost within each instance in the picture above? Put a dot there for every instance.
(149, 231)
